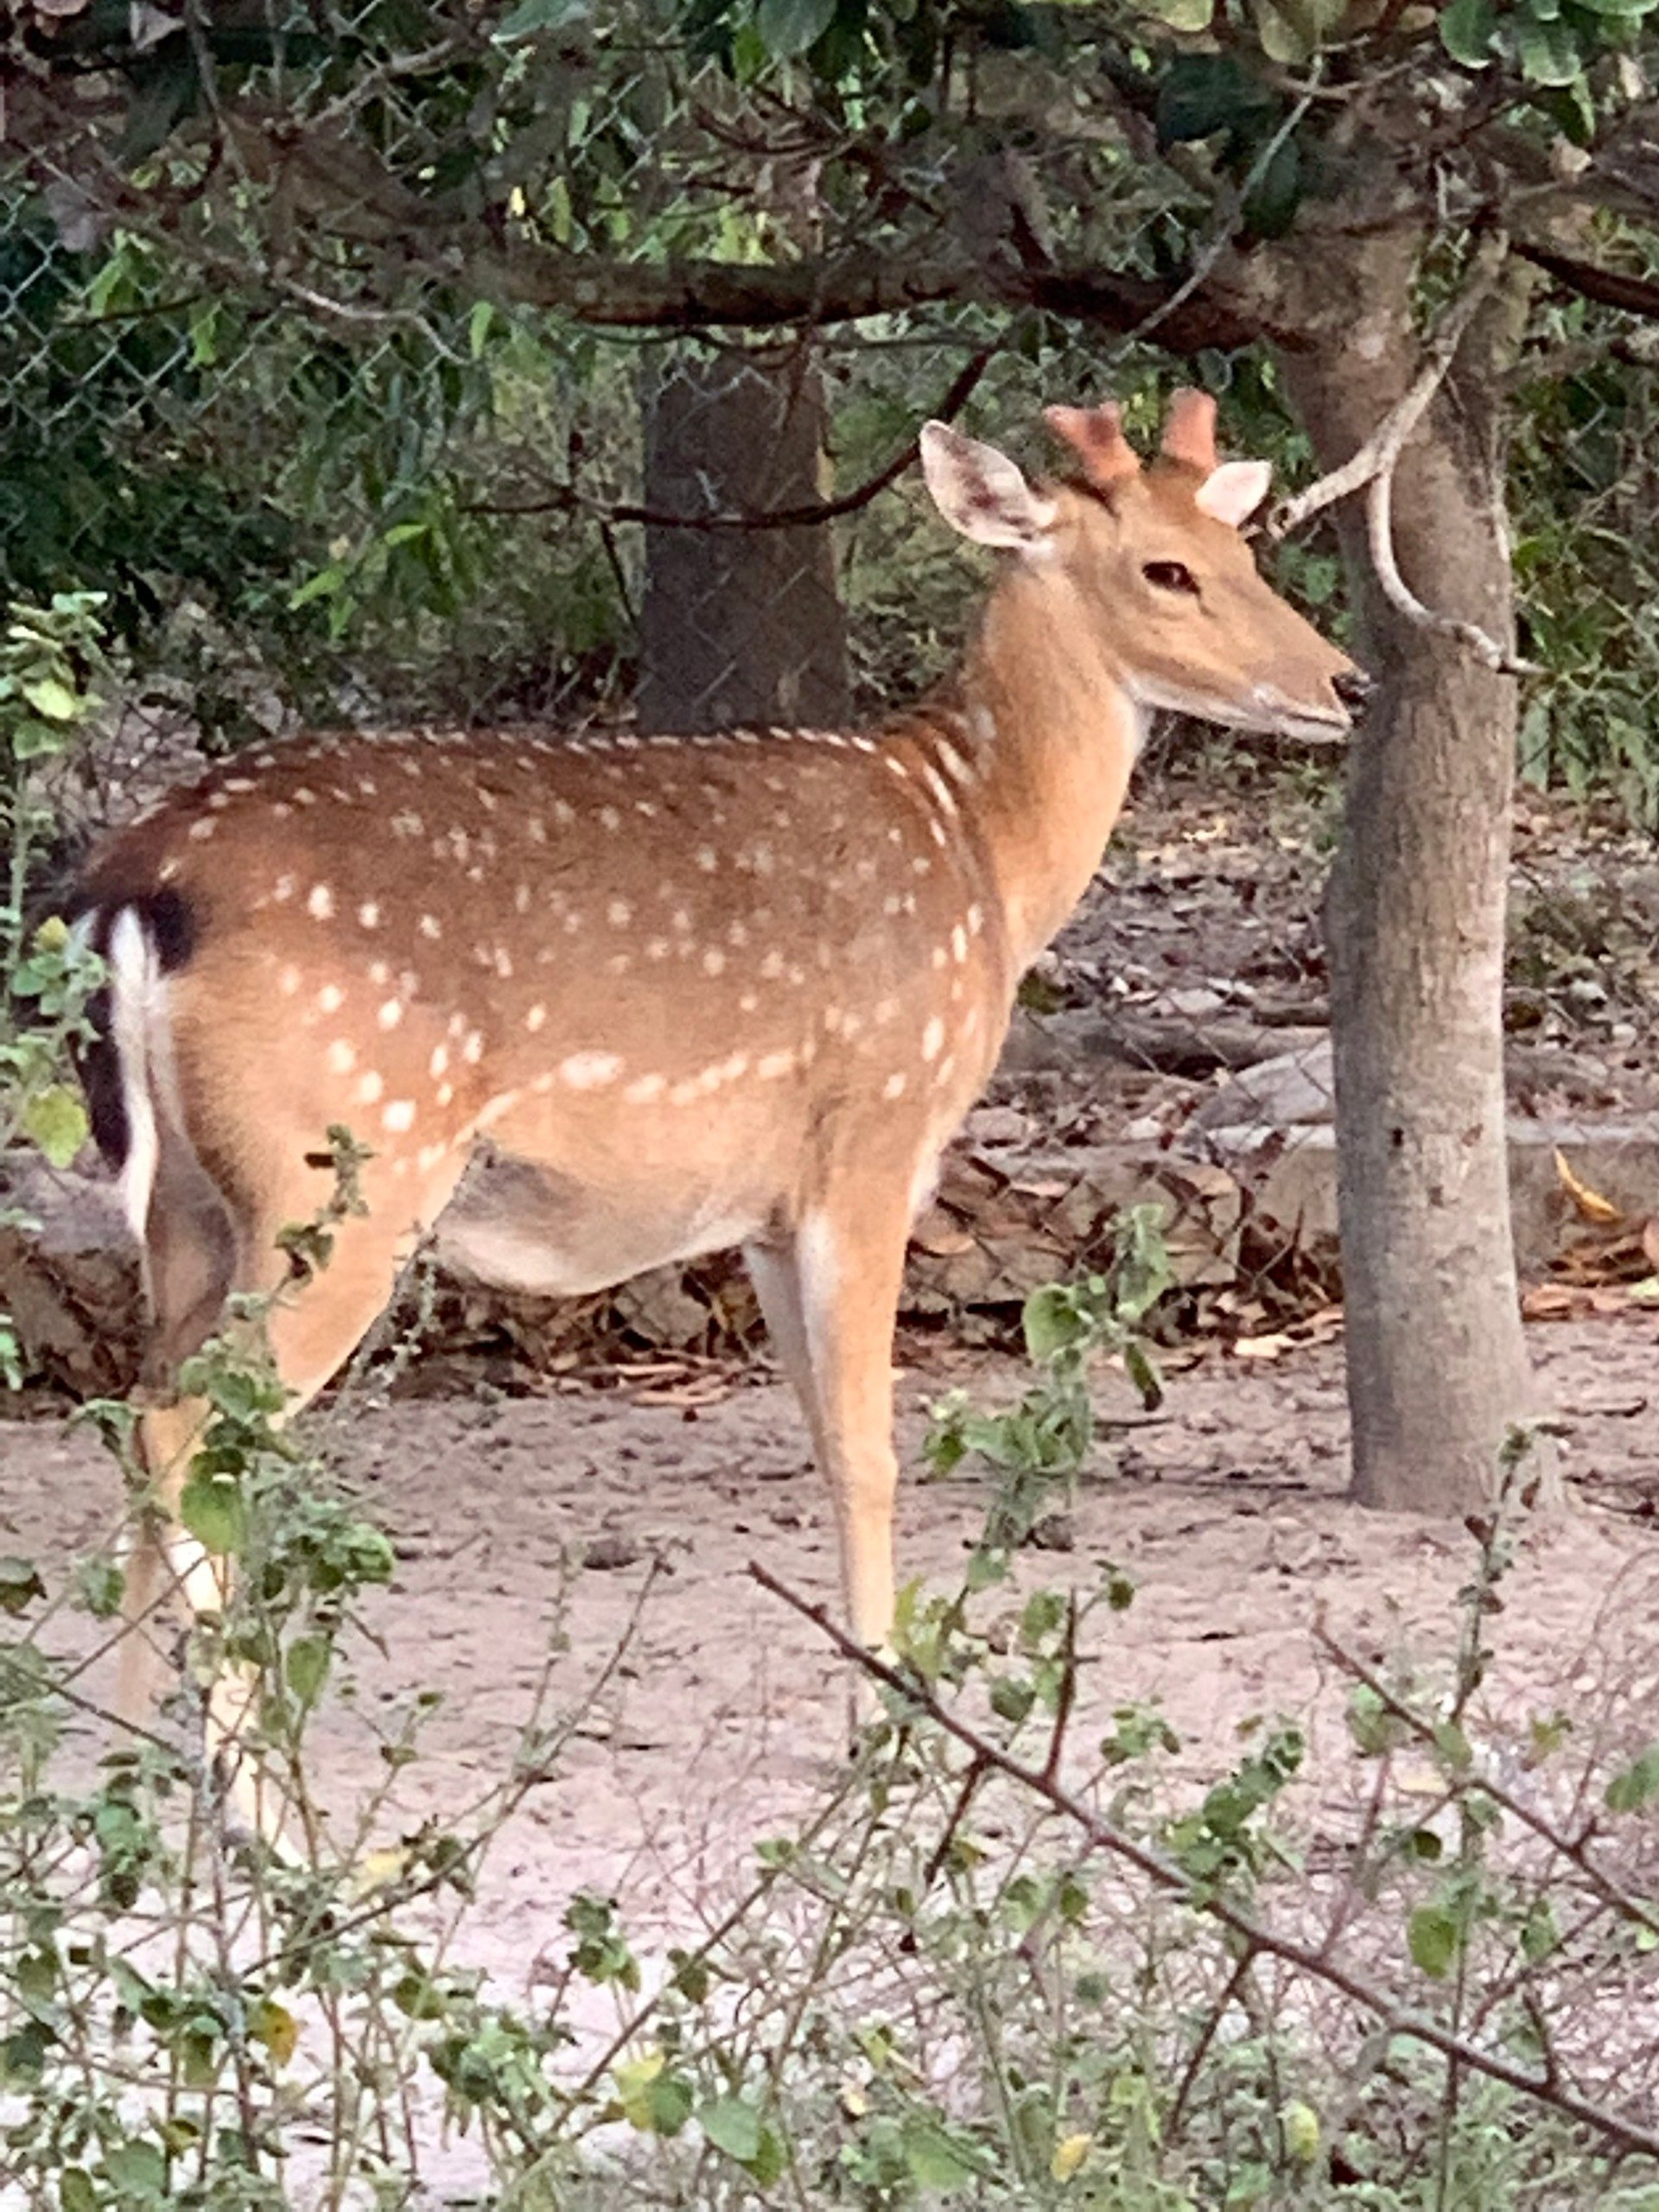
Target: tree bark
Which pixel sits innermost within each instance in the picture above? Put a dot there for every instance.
(739, 626)
(1437, 1368)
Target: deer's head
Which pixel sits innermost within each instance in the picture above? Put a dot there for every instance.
(1153, 567)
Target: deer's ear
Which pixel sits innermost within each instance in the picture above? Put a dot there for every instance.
(1232, 493)
(980, 492)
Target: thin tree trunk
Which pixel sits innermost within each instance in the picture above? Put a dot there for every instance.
(1437, 1368)
(739, 626)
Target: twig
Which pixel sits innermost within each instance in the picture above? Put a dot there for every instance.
(1573, 1850)
(1371, 469)
(1379, 531)
(1382, 450)
(1399, 2017)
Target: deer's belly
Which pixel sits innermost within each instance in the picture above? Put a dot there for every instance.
(520, 1227)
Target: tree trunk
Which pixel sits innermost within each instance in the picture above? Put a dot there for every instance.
(739, 626)
(1437, 1368)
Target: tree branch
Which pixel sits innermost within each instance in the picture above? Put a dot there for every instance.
(1609, 288)
(1384, 2003)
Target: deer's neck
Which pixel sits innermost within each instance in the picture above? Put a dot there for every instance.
(1057, 731)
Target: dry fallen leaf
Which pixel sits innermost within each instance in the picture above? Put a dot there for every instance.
(1591, 1204)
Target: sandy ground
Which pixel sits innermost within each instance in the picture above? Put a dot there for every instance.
(1226, 1510)
(720, 1724)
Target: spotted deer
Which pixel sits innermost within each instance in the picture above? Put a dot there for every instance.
(697, 992)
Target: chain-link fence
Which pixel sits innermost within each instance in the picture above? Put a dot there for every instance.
(351, 366)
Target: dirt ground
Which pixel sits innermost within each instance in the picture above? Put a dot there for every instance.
(1226, 1509)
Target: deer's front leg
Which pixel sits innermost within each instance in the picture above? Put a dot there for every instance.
(849, 1264)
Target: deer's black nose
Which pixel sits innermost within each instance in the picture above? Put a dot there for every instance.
(1353, 687)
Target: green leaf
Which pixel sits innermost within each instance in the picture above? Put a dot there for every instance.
(55, 1119)
(307, 1667)
(1270, 207)
(51, 697)
(1466, 28)
(323, 585)
(1634, 1789)
(137, 2171)
(1183, 15)
(211, 1508)
(1202, 93)
(732, 2126)
(790, 27)
(478, 327)
(20, 1584)
(937, 2159)
(533, 16)
(1547, 51)
(1433, 1936)
(75, 2190)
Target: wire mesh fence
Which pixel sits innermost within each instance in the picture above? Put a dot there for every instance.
(362, 403)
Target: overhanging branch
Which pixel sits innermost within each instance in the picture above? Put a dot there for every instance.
(1608, 288)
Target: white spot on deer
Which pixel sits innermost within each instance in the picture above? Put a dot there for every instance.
(936, 831)
(283, 889)
(714, 960)
(773, 966)
(657, 948)
(619, 914)
(444, 1093)
(319, 904)
(893, 1087)
(892, 760)
(428, 1156)
(589, 1071)
(330, 998)
(203, 828)
(932, 1038)
(380, 972)
(367, 786)
(239, 783)
(429, 926)
(946, 1068)
(369, 1088)
(563, 813)
(737, 934)
(439, 1061)
(921, 865)
(471, 1048)
(288, 980)
(406, 824)
(984, 723)
(521, 898)
(680, 922)
(535, 1018)
(892, 904)
(958, 942)
(610, 818)
(503, 962)
(302, 796)
(939, 957)
(341, 1056)
(282, 810)
(748, 1002)
(399, 1115)
(368, 914)
(707, 859)
(390, 1013)
(536, 830)
(770, 1066)
(644, 1088)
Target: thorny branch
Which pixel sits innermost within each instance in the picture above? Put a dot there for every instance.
(1575, 1849)
(1371, 470)
(1398, 2018)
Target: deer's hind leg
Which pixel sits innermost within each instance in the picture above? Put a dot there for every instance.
(312, 1329)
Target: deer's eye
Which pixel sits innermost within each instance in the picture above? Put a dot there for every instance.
(1171, 575)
